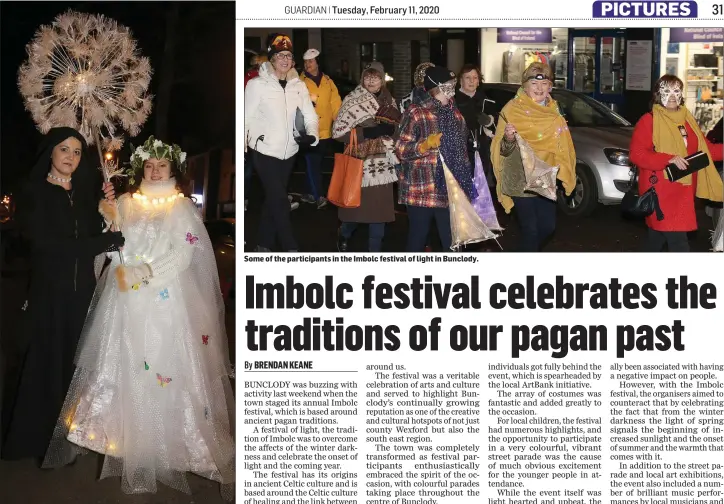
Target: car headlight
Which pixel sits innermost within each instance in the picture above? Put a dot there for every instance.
(617, 156)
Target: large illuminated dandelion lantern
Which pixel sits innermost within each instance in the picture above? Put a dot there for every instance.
(84, 71)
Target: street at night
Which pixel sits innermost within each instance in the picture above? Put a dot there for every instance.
(600, 106)
(603, 231)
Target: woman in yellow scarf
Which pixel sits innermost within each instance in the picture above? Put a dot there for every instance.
(535, 116)
(667, 135)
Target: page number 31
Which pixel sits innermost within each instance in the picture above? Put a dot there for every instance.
(717, 9)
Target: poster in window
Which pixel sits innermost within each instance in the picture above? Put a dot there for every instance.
(638, 65)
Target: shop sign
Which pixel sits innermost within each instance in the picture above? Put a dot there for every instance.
(696, 35)
(525, 35)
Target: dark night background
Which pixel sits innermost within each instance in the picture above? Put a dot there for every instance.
(191, 46)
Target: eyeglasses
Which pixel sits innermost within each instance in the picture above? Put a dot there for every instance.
(372, 78)
(286, 56)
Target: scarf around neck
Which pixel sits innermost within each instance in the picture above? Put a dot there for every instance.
(378, 155)
(667, 136)
(317, 79)
(357, 107)
(454, 150)
(542, 126)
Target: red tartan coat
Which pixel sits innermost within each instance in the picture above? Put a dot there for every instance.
(676, 200)
(416, 179)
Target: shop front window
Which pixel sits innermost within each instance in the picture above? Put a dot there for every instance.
(549, 47)
(559, 57)
(612, 57)
(697, 61)
(584, 64)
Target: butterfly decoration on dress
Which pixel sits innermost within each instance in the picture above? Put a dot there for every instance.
(145, 365)
(205, 339)
(162, 380)
(206, 412)
(191, 238)
(164, 294)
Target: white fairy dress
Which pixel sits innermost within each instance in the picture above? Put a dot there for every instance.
(717, 239)
(152, 386)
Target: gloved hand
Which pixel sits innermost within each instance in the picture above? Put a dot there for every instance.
(107, 242)
(431, 142)
(378, 131)
(306, 139)
(509, 132)
(485, 120)
(132, 276)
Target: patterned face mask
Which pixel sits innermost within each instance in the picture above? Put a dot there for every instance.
(448, 88)
(667, 90)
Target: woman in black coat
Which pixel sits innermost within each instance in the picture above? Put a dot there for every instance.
(58, 215)
(470, 100)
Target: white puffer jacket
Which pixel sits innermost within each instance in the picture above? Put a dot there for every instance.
(270, 110)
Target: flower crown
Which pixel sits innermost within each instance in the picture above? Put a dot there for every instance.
(155, 149)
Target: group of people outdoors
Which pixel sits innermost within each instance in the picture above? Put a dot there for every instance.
(442, 122)
(126, 351)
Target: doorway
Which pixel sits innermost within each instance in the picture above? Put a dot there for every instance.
(596, 64)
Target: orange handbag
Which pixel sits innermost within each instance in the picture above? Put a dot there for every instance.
(345, 188)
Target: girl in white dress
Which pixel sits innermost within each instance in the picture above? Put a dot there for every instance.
(152, 387)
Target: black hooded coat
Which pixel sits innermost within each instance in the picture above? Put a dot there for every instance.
(64, 231)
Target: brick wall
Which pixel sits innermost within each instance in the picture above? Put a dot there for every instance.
(336, 48)
(424, 52)
(343, 43)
